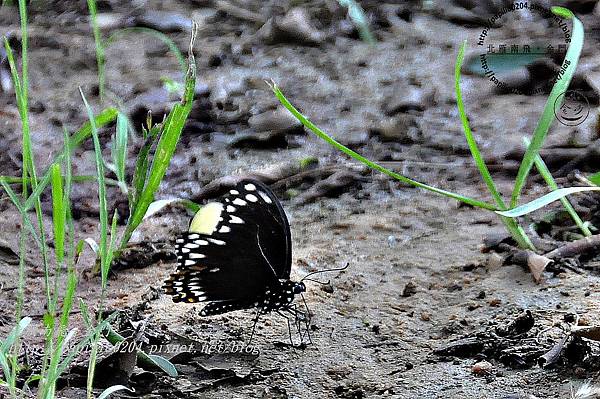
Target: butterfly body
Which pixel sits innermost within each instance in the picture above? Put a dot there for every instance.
(237, 255)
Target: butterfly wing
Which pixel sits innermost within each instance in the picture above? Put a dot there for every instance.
(234, 248)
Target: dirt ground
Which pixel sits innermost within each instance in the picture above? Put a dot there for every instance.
(417, 279)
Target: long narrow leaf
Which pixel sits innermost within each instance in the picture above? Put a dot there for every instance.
(321, 134)
(58, 213)
(544, 200)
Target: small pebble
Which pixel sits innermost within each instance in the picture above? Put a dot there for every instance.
(495, 302)
(482, 368)
(410, 289)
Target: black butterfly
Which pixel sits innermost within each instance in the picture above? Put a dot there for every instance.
(237, 255)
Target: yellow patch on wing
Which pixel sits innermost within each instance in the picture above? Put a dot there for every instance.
(206, 219)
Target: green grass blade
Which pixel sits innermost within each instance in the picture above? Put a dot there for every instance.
(119, 150)
(58, 213)
(543, 169)
(99, 45)
(321, 134)
(475, 153)
(560, 86)
(544, 200)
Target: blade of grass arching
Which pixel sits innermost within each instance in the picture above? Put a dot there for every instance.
(560, 86)
(544, 200)
(165, 148)
(99, 45)
(357, 15)
(545, 172)
(515, 230)
(153, 32)
(321, 134)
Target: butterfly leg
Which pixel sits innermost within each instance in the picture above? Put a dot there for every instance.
(256, 317)
(289, 326)
(299, 317)
(307, 319)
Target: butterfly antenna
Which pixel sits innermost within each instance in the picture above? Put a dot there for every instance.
(317, 281)
(338, 269)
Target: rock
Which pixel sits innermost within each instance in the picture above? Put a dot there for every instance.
(275, 120)
(415, 99)
(482, 368)
(401, 129)
(294, 27)
(164, 21)
(409, 290)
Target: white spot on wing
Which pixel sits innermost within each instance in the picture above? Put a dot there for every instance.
(235, 219)
(239, 201)
(197, 256)
(215, 241)
(185, 250)
(214, 270)
(224, 229)
(179, 241)
(193, 236)
(230, 208)
(191, 245)
(234, 192)
(250, 187)
(189, 262)
(201, 242)
(265, 197)
(251, 197)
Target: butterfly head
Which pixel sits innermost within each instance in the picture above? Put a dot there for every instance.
(298, 288)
